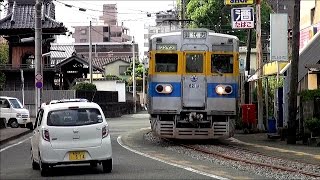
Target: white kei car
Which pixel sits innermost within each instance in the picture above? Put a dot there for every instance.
(70, 133)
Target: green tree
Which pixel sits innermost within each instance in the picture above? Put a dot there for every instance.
(4, 56)
(214, 15)
(139, 70)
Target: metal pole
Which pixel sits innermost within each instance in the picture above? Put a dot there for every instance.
(248, 55)
(22, 86)
(143, 84)
(259, 65)
(38, 50)
(133, 77)
(90, 53)
(182, 13)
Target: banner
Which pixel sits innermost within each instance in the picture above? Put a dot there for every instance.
(279, 37)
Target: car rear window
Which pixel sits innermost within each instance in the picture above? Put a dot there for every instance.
(74, 117)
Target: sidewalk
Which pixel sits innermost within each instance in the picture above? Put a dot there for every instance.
(8, 134)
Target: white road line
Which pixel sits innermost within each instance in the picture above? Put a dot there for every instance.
(172, 164)
(12, 145)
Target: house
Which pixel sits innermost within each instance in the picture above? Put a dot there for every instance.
(18, 24)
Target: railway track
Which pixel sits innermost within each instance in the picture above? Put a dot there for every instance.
(233, 153)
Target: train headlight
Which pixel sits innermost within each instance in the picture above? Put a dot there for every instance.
(224, 89)
(219, 89)
(164, 88)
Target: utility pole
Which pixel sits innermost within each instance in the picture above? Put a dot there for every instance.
(247, 85)
(38, 51)
(90, 53)
(134, 77)
(182, 13)
(259, 65)
(294, 75)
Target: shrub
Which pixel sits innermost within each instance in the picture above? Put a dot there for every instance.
(313, 124)
(85, 86)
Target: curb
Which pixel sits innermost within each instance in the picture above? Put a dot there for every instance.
(14, 137)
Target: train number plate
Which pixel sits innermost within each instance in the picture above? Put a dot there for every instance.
(77, 155)
(192, 85)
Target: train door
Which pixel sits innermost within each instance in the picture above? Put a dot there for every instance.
(194, 80)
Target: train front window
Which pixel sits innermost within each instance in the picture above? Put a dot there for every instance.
(222, 63)
(166, 62)
(194, 63)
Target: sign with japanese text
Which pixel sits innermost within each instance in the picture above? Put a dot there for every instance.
(194, 34)
(242, 18)
(237, 2)
(279, 37)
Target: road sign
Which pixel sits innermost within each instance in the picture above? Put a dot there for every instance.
(242, 18)
(39, 84)
(38, 77)
(237, 2)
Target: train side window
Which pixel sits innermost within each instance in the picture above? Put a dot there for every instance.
(222, 63)
(166, 62)
(194, 63)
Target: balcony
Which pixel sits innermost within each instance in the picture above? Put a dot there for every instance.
(30, 67)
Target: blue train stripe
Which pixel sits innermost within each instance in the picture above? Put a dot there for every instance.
(176, 92)
(212, 90)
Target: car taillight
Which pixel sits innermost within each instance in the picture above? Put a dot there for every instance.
(45, 135)
(105, 131)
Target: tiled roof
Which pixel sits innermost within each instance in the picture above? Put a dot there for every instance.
(102, 61)
(21, 13)
(55, 48)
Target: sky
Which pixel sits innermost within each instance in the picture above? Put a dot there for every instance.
(132, 13)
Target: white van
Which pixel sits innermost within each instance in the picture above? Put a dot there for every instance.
(13, 112)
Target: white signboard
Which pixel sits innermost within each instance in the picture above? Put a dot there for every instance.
(242, 18)
(279, 37)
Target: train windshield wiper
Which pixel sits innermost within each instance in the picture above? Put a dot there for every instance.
(217, 71)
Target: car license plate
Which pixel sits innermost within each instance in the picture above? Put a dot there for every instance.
(77, 155)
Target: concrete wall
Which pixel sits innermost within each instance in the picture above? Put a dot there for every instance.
(107, 85)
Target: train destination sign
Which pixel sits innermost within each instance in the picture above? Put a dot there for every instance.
(238, 2)
(168, 47)
(194, 34)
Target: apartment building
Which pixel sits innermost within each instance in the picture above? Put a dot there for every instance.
(164, 22)
(110, 31)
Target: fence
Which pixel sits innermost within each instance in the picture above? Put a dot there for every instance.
(108, 100)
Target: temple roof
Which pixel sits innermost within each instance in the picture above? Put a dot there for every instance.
(21, 13)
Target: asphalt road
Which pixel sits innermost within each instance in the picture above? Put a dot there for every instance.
(15, 161)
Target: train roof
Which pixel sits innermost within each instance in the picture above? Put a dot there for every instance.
(178, 33)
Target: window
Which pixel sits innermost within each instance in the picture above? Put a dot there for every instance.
(312, 11)
(15, 103)
(122, 70)
(105, 29)
(106, 39)
(166, 62)
(74, 117)
(194, 63)
(221, 63)
(83, 40)
(83, 31)
(4, 103)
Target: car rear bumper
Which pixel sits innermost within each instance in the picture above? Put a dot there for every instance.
(61, 156)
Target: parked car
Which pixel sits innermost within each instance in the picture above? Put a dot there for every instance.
(71, 133)
(13, 112)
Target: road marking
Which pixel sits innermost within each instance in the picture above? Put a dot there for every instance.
(172, 164)
(12, 145)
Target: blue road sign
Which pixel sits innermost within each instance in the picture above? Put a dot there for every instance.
(39, 84)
